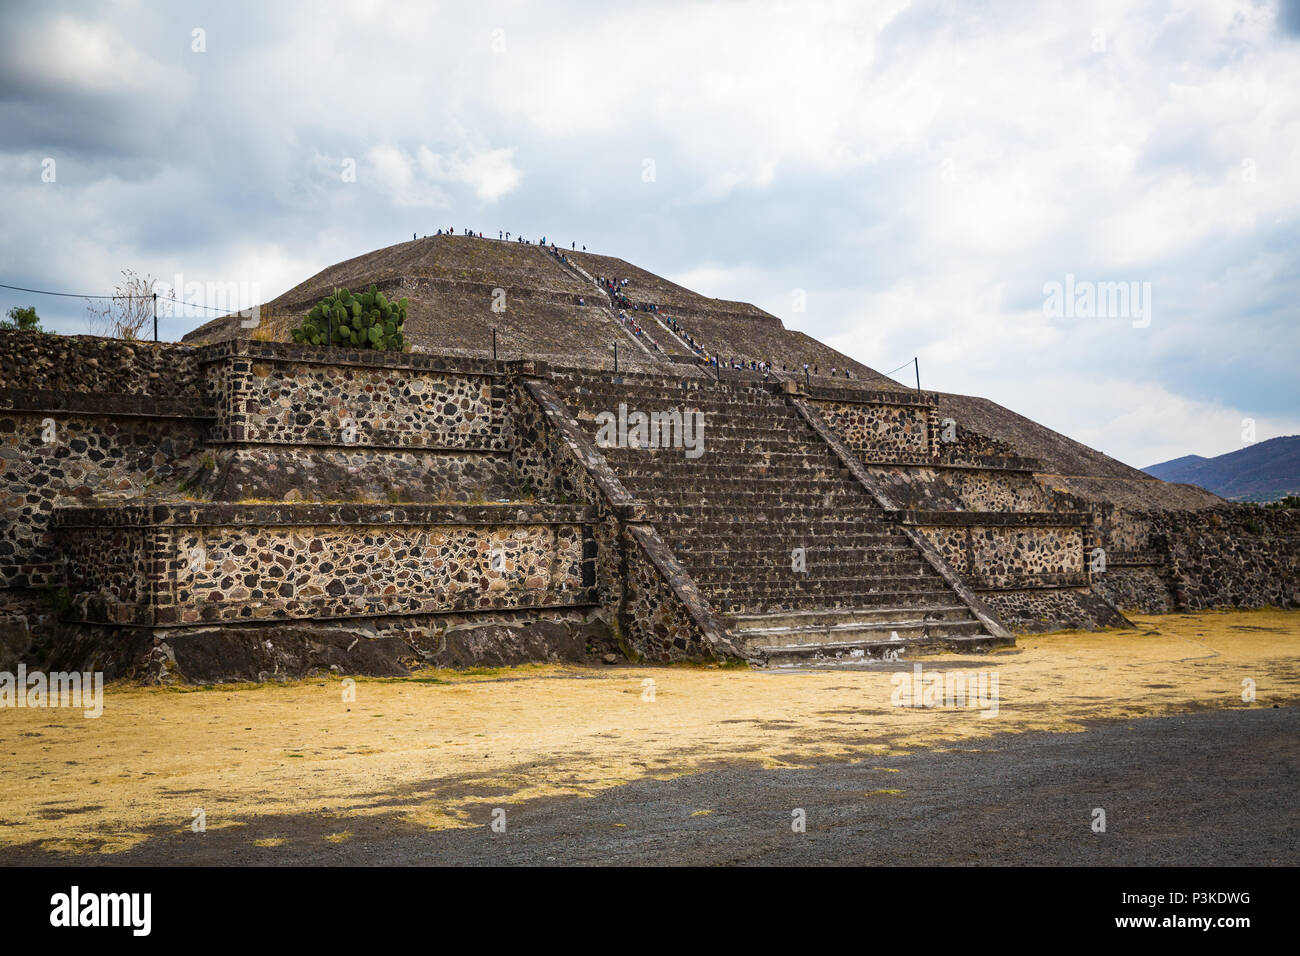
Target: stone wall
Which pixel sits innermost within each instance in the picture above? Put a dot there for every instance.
(37, 361)
(188, 564)
(274, 393)
(59, 448)
(1142, 589)
(1233, 556)
(998, 551)
(1239, 556)
(878, 426)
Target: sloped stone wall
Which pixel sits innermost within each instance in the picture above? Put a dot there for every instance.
(1032, 611)
(969, 489)
(287, 650)
(304, 473)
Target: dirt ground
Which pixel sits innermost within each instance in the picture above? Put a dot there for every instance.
(439, 750)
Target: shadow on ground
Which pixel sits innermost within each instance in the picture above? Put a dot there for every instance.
(1218, 788)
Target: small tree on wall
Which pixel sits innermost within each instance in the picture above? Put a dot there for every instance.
(129, 310)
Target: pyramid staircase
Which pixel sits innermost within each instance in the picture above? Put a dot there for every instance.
(603, 302)
(765, 485)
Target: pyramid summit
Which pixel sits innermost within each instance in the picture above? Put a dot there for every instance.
(572, 457)
(550, 304)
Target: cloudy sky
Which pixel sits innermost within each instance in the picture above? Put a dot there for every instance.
(916, 175)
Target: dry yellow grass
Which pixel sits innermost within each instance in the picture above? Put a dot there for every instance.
(429, 749)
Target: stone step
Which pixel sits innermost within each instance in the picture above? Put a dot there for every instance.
(640, 382)
(778, 540)
(811, 497)
(848, 514)
(843, 653)
(650, 400)
(739, 624)
(752, 487)
(852, 557)
(648, 380)
(773, 529)
(741, 475)
(744, 421)
(715, 445)
(776, 545)
(738, 410)
(737, 556)
(877, 573)
(756, 478)
(719, 459)
(781, 584)
(770, 603)
(736, 587)
(652, 463)
(737, 439)
(710, 396)
(884, 631)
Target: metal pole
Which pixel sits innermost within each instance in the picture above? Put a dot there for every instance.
(155, 316)
(917, 364)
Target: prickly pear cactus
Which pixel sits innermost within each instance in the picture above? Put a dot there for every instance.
(367, 320)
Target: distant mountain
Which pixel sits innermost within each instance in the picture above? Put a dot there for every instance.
(1265, 471)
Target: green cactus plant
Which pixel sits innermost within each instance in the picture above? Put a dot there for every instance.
(366, 320)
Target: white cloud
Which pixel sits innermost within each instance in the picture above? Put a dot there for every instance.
(490, 173)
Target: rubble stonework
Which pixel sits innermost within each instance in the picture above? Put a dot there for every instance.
(1000, 556)
(186, 564)
(100, 450)
(1232, 556)
(91, 365)
(286, 395)
(881, 430)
